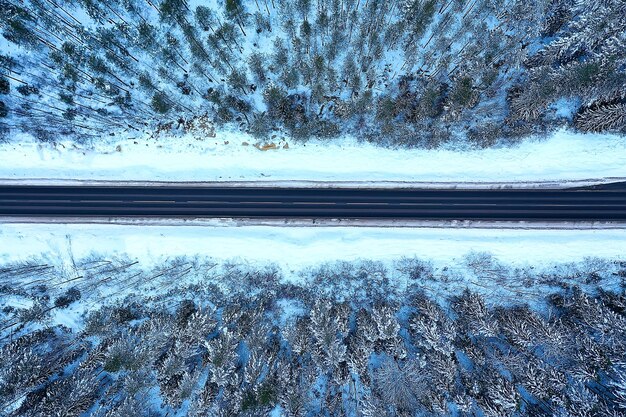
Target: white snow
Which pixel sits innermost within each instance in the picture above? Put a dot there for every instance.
(563, 157)
(294, 248)
(566, 107)
(506, 265)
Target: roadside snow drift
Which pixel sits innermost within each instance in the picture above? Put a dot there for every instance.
(292, 248)
(563, 158)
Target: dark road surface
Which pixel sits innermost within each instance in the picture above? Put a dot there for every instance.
(603, 203)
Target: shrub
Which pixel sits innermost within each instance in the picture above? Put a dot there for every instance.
(462, 93)
(5, 87)
(70, 296)
(160, 103)
(27, 90)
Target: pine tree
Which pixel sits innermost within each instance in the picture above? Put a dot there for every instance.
(600, 118)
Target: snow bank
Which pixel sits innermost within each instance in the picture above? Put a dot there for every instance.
(563, 157)
(297, 248)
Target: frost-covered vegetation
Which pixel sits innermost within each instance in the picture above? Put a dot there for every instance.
(401, 72)
(109, 337)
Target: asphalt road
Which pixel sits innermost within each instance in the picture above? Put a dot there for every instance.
(604, 203)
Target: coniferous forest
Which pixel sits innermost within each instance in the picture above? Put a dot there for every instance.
(411, 73)
(196, 337)
(420, 116)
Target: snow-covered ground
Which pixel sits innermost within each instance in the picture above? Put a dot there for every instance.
(563, 158)
(506, 265)
(296, 248)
